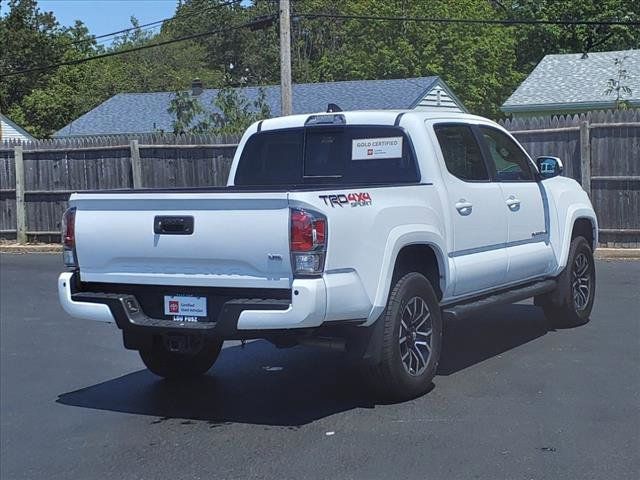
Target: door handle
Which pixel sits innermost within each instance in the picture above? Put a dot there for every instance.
(464, 207)
(513, 203)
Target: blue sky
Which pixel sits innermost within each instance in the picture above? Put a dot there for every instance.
(105, 16)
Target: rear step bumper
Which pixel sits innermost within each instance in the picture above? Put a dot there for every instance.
(306, 309)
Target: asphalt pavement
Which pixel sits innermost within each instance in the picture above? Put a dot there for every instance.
(512, 400)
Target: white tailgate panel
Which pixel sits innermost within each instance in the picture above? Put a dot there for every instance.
(236, 242)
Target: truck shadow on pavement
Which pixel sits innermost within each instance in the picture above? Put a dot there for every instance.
(259, 384)
(498, 329)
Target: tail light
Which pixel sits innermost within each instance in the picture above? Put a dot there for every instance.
(308, 241)
(69, 237)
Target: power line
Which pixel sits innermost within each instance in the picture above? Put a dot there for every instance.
(105, 40)
(153, 24)
(259, 21)
(631, 23)
(368, 17)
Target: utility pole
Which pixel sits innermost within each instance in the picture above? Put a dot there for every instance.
(285, 58)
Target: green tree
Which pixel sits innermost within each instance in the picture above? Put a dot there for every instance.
(27, 36)
(185, 109)
(245, 55)
(476, 61)
(616, 86)
(536, 41)
(231, 112)
(72, 90)
(237, 112)
(482, 64)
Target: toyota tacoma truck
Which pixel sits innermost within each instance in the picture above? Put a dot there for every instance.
(358, 231)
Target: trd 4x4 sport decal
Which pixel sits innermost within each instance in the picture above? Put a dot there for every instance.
(362, 199)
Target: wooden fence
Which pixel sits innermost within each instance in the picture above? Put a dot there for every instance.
(36, 178)
(600, 150)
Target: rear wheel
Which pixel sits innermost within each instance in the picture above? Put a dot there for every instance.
(571, 304)
(173, 365)
(412, 340)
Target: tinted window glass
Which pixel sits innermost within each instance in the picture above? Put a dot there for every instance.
(510, 162)
(325, 153)
(461, 152)
(321, 155)
(271, 158)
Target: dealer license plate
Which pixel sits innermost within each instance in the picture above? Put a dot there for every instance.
(185, 306)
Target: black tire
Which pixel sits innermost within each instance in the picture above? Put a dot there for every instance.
(564, 308)
(173, 365)
(392, 378)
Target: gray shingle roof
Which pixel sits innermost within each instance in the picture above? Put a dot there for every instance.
(568, 80)
(147, 112)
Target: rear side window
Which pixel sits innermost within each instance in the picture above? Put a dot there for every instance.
(320, 155)
(461, 152)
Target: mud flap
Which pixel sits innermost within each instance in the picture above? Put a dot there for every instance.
(365, 345)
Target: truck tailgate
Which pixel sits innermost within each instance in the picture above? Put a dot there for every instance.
(239, 239)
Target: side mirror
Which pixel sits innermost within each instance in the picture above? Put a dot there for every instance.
(549, 166)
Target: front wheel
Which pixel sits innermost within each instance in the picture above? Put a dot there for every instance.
(412, 340)
(571, 304)
(174, 365)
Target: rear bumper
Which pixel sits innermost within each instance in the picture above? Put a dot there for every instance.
(88, 310)
(307, 308)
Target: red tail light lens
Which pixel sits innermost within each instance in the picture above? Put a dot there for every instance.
(308, 231)
(319, 231)
(69, 228)
(301, 231)
(69, 237)
(308, 241)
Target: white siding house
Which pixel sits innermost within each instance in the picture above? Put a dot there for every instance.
(10, 131)
(441, 98)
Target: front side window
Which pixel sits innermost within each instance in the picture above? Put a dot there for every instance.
(510, 161)
(461, 152)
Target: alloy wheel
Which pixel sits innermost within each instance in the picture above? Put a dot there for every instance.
(415, 336)
(581, 281)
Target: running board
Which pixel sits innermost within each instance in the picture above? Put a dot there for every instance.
(510, 296)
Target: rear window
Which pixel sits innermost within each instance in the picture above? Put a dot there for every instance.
(320, 155)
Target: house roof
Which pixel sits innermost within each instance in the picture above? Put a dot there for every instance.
(16, 127)
(147, 112)
(570, 81)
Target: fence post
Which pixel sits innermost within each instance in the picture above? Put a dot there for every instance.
(21, 214)
(585, 156)
(136, 167)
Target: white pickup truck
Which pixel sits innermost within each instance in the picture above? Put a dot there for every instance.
(360, 231)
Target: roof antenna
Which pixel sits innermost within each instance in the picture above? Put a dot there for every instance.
(332, 107)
